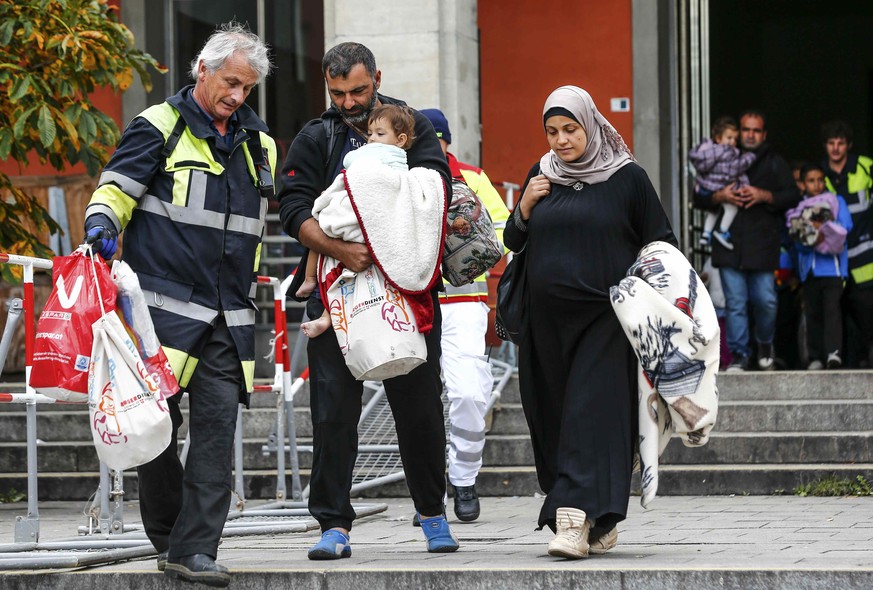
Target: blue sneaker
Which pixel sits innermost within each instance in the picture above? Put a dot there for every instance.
(440, 538)
(724, 238)
(333, 545)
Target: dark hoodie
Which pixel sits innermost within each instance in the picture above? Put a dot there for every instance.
(314, 156)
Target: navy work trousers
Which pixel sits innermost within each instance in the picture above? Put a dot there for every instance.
(184, 510)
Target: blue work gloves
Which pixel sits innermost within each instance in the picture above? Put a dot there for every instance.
(104, 240)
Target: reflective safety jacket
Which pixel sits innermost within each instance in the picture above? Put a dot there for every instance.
(193, 221)
(854, 184)
(479, 183)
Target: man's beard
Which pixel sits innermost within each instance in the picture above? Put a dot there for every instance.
(358, 116)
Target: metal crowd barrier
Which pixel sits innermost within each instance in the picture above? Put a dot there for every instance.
(110, 539)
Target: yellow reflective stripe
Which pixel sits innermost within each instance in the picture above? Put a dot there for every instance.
(858, 180)
(182, 363)
(119, 202)
(863, 274)
(250, 164)
(257, 263)
(477, 287)
(163, 116)
(858, 183)
(183, 366)
(180, 188)
(191, 150)
(272, 155)
(248, 368)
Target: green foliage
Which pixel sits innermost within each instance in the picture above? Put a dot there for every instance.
(53, 54)
(832, 486)
(11, 496)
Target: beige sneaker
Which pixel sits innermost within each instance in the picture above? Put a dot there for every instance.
(604, 543)
(571, 540)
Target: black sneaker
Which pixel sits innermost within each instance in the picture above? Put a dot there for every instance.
(198, 568)
(739, 363)
(466, 503)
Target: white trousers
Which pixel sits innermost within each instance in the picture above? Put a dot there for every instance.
(468, 380)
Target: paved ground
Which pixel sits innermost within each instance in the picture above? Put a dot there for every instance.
(704, 542)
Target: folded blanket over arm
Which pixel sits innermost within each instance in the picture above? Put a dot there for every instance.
(670, 321)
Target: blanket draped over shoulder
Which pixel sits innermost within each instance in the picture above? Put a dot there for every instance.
(401, 216)
(670, 321)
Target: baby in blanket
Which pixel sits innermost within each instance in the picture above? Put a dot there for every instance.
(390, 131)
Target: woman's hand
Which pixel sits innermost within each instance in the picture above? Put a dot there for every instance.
(538, 187)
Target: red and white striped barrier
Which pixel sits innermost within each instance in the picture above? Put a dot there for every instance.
(27, 527)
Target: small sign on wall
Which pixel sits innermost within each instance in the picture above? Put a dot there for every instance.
(619, 105)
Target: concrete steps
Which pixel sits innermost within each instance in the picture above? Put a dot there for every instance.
(775, 431)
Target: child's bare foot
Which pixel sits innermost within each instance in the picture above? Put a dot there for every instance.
(308, 286)
(315, 327)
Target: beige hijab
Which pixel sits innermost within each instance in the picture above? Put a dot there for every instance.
(605, 152)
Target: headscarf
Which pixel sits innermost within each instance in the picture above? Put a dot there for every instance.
(605, 151)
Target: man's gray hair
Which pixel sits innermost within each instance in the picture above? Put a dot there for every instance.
(341, 59)
(229, 39)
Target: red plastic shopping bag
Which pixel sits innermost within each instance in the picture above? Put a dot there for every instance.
(64, 338)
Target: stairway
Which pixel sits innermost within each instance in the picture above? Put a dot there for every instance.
(775, 431)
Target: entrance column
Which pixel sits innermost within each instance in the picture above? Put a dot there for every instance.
(428, 53)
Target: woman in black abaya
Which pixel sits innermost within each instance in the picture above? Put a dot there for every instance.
(586, 210)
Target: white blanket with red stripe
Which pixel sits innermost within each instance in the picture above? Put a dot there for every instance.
(399, 214)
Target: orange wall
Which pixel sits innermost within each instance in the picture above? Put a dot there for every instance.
(527, 49)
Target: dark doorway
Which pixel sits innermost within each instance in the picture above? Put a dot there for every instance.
(802, 62)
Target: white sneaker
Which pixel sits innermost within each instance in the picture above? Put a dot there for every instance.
(815, 366)
(571, 540)
(604, 543)
(834, 360)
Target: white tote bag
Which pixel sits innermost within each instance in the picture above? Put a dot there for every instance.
(130, 421)
(374, 326)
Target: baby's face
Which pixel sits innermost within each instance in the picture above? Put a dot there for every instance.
(728, 137)
(380, 131)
